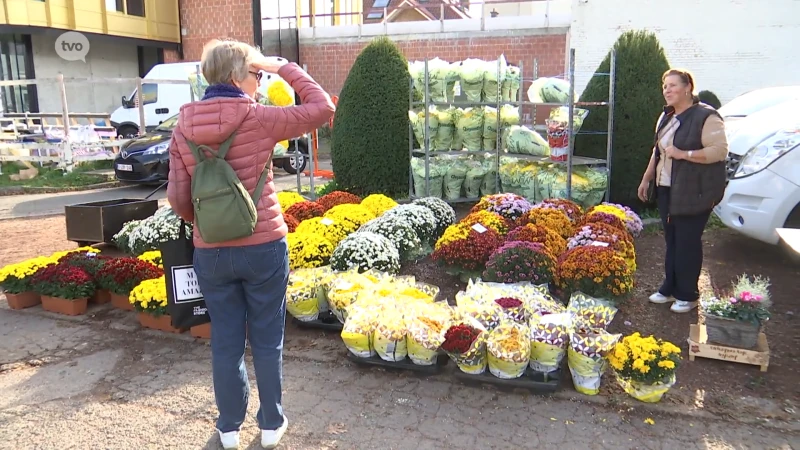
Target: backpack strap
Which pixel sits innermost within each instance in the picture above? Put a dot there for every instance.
(262, 180)
(198, 151)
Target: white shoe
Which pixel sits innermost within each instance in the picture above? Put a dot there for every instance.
(230, 440)
(681, 306)
(660, 299)
(271, 438)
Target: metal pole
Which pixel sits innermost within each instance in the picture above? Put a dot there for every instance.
(410, 139)
(140, 97)
(427, 134)
(65, 118)
(609, 140)
(571, 108)
(497, 128)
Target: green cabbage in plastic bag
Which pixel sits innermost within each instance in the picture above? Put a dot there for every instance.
(492, 80)
(511, 84)
(509, 115)
(454, 179)
(469, 128)
(437, 171)
(524, 141)
(549, 90)
(472, 72)
(561, 114)
(474, 179)
(417, 119)
(438, 73)
(453, 75)
(489, 128)
(489, 185)
(510, 175)
(447, 129)
(588, 184)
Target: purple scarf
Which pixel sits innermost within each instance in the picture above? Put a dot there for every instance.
(223, 90)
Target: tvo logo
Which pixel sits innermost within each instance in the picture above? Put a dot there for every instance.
(72, 46)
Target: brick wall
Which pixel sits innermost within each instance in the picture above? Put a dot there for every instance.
(731, 46)
(204, 20)
(330, 62)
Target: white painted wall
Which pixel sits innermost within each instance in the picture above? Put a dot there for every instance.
(731, 46)
(104, 60)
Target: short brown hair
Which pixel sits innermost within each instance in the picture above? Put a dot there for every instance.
(684, 75)
(224, 61)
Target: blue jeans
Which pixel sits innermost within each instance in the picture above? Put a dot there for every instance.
(246, 286)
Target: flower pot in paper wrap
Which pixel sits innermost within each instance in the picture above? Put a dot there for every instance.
(358, 330)
(473, 361)
(586, 357)
(648, 393)
(508, 349)
(301, 301)
(549, 340)
(425, 336)
(389, 338)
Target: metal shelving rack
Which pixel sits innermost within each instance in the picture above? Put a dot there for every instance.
(571, 161)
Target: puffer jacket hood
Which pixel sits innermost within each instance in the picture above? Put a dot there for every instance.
(258, 129)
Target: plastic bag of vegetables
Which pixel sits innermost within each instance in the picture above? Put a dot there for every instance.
(453, 75)
(524, 141)
(447, 128)
(454, 179)
(473, 180)
(438, 73)
(472, 73)
(511, 84)
(437, 171)
(489, 185)
(469, 128)
(417, 119)
(509, 115)
(494, 74)
(489, 128)
(549, 90)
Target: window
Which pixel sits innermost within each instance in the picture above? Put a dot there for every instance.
(149, 93)
(130, 7)
(375, 15)
(380, 4)
(16, 63)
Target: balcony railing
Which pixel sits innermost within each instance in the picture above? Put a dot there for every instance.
(484, 11)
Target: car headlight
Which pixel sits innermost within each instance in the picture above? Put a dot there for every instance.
(761, 156)
(159, 149)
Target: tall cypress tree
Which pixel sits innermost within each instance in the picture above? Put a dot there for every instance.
(640, 63)
(369, 143)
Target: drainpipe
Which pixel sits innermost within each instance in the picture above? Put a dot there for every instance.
(257, 25)
(180, 30)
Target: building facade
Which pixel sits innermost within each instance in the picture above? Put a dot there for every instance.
(124, 39)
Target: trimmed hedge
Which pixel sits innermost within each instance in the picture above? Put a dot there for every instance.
(640, 62)
(369, 142)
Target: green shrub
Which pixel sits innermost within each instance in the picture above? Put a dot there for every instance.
(640, 63)
(369, 144)
(710, 99)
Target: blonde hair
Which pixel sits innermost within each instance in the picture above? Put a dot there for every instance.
(686, 77)
(225, 61)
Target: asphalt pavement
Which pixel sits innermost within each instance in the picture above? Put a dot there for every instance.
(38, 205)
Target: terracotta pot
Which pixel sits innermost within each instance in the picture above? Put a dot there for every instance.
(120, 301)
(101, 297)
(23, 300)
(63, 306)
(161, 323)
(201, 331)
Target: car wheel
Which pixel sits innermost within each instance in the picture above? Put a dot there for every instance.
(793, 221)
(128, 131)
(295, 162)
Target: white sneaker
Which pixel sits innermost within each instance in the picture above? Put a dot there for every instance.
(681, 306)
(271, 438)
(660, 299)
(230, 440)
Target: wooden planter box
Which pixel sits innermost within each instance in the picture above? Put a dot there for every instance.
(161, 323)
(201, 331)
(700, 347)
(23, 300)
(97, 222)
(101, 297)
(120, 302)
(733, 333)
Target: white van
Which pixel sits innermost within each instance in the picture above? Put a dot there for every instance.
(763, 191)
(161, 101)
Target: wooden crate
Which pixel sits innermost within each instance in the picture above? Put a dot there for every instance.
(699, 346)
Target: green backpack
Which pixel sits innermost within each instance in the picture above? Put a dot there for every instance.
(223, 209)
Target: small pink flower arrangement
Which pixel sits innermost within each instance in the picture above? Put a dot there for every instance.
(750, 301)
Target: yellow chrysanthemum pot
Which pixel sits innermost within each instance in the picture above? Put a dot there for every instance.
(648, 393)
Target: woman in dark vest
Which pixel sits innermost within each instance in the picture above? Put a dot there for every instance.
(687, 172)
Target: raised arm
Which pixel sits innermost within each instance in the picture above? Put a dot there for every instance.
(179, 189)
(290, 122)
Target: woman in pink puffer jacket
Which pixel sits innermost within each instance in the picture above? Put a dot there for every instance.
(244, 281)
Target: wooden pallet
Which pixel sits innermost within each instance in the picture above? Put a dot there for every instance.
(699, 346)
